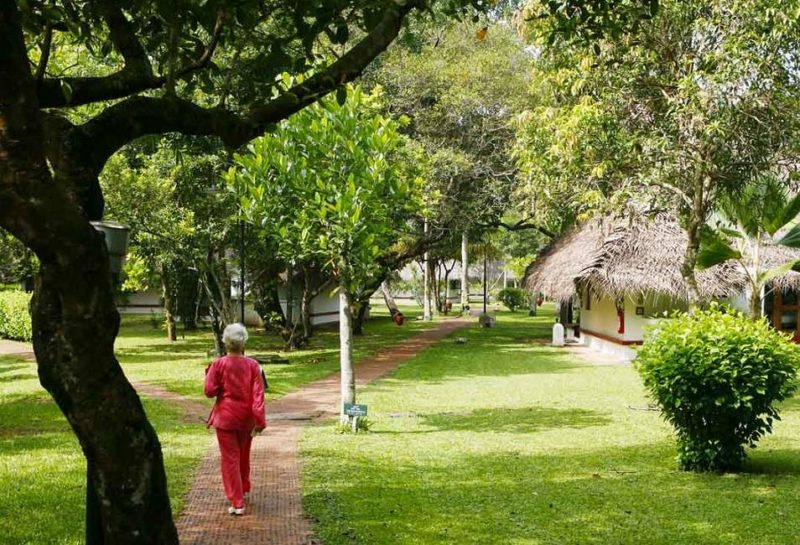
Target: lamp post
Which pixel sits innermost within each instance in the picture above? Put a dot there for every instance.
(241, 266)
(117, 238)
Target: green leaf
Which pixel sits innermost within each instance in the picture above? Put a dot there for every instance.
(341, 96)
(714, 250)
(792, 238)
(785, 216)
(766, 276)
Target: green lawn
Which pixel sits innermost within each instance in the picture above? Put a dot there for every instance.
(41, 466)
(505, 441)
(147, 355)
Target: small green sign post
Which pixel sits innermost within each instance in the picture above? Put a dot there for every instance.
(356, 411)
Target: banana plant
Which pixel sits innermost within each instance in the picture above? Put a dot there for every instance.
(763, 214)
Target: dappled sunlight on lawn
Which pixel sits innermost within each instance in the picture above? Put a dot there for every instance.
(503, 440)
(42, 469)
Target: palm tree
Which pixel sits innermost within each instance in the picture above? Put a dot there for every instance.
(747, 223)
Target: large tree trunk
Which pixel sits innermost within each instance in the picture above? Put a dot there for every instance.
(74, 318)
(464, 271)
(75, 324)
(348, 382)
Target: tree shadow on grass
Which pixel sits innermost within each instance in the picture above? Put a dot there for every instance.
(791, 404)
(9, 365)
(30, 415)
(14, 378)
(772, 462)
(624, 496)
(523, 420)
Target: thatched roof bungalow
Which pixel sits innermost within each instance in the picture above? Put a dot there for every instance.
(624, 271)
(625, 256)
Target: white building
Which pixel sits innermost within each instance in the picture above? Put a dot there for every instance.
(615, 276)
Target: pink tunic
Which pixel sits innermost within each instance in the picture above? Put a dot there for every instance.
(237, 384)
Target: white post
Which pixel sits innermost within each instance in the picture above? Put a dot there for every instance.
(426, 281)
(464, 271)
(558, 334)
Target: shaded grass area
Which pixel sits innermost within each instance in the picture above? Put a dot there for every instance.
(42, 469)
(147, 356)
(42, 479)
(506, 441)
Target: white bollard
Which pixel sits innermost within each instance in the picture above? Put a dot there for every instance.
(570, 335)
(558, 334)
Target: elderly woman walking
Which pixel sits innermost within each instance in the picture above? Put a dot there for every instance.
(238, 413)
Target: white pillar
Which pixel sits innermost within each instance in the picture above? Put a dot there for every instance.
(464, 271)
(426, 283)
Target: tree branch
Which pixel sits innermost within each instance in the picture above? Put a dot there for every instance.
(521, 225)
(136, 76)
(344, 70)
(44, 47)
(205, 58)
(139, 116)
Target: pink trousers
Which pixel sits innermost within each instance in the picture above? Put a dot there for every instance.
(234, 449)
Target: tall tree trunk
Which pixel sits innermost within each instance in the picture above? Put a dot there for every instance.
(756, 286)
(75, 321)
(426, 282)
(436, 286)
(389, 299)
(305, 303)
(446, 288)
(696, 221)
(217, 302)
(217, 327)
(290, 298)
(348, 383)
(362, 307)
(464, 271)
(168, 294)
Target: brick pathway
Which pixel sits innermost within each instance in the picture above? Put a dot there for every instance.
(274, 511)
(14, 348)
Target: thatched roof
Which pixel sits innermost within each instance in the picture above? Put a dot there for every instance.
(619, 256)
(774, 256)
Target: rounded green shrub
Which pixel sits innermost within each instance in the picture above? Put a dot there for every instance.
(512, 298)
(716, 376)
(15, 317)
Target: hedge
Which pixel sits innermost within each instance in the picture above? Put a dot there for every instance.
(15, 317)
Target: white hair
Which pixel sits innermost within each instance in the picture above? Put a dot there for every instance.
(234, 337)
